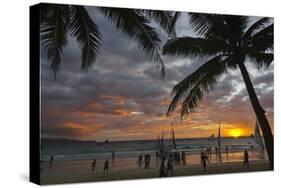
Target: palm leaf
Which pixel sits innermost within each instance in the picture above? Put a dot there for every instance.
(262, 41)
(257, 26)
(227, 28)
(205, 24)
(235, 26)
(174, 21)
(195, 85)
(86, 33)
(163, 18)
(54, 33)
(136, 26)
(189, 46)
(261, 59)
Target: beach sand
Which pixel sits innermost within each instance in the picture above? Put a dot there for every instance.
(72, 176)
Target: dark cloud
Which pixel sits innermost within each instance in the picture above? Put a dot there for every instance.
(123, 94)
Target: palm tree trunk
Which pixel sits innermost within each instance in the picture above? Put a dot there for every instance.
(260, 113)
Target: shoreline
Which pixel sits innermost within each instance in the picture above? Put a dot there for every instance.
(188, 170)
(89, 156)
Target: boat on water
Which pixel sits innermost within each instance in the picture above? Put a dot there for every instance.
(212, 138)
(163, 149)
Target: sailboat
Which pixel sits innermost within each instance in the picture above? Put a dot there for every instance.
(219, 143)
(257, 136)
(163, 150)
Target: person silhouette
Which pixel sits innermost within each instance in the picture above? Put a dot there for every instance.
(226, 151)
(106, 166)
(204, 160)
(246, 159)
(162, 169)
(140, 161)
(148, 160)
(170, 166)
(51, 161)
(94, 165)
(183, 162)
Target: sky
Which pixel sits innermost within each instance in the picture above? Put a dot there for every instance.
(122, 96)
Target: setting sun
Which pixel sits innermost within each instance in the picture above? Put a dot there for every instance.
(235, 132)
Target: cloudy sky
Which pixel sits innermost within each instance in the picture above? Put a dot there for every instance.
(122, 97)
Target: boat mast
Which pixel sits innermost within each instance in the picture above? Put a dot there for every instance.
(219, 143)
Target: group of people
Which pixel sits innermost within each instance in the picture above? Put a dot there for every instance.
(204, 160)
(166, 168)
(106, 163)
(205, 155)
(145, 162)
(105, 166)
(174, 158)
(208, 151)
(165, 171)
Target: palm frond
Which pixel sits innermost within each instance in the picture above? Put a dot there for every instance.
(54, 33)
(227, 28)
(262, 41)
(175, 18)
(257, 26)
(235, 26)
(195, 85)
(203, 24)
(86, 33)
(261, 60)
(163, 18)
(189, 46)
(136, 26)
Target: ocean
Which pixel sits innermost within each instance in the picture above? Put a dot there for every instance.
(63, 150)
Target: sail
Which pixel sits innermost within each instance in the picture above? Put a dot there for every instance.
(219, 144)
(257, 136)
(219, 138)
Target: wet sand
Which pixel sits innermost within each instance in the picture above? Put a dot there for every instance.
(68, 174)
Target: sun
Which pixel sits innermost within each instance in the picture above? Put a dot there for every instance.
(235, 132)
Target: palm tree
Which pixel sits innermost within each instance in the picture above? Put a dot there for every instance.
(227, 42)
(58, 21)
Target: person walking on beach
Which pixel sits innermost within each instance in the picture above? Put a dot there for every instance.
(170, 166)
(204, 160)
(162, 169)
(148, 160)
(94, 165)
(51, 162)
(246, 159)
(51, 159)
(145, 161)
(226, 152)
(183, 162)
(106, 166)
(140, 161)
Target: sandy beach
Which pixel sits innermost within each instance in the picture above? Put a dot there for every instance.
(87, 176)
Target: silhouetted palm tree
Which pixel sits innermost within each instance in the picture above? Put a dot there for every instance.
(227, 41)
(57, 21)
